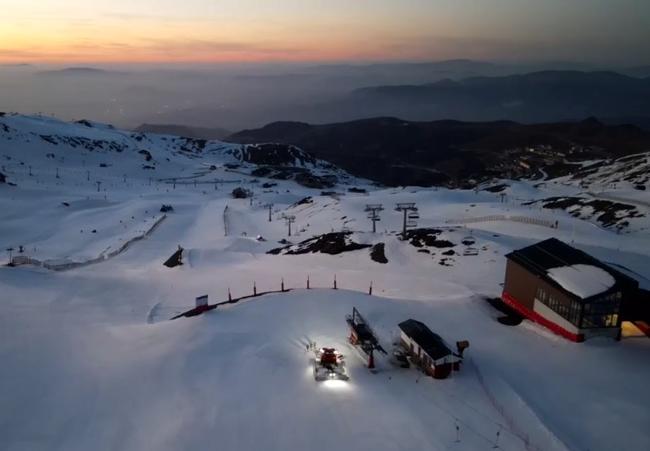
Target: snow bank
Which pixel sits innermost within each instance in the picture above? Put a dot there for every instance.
(582, 280)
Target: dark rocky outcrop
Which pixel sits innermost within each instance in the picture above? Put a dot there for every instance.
(176, 259)
(240, 193)
(80, 142)
(271, 154)
(427, 237)
(608, 213)
(300, 175)
(310, 180)
(377, 253)
(330, 243)
(303, 201)
(146, 153)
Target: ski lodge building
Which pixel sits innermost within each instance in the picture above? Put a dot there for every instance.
(568, 291)
(427, 349)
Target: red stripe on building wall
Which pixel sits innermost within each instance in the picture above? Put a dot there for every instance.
(536, 317)
(643, 327)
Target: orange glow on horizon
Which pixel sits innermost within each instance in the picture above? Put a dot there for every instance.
(204, 31)
(179, 47)
(75, 35)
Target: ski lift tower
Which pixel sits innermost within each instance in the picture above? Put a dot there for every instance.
(289, 219)
(362, 336)
(373, 214)
(270, 207)
(411, 215)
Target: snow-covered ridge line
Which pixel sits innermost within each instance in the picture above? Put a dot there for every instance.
(95, 136)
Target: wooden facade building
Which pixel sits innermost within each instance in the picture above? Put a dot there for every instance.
(427, 349)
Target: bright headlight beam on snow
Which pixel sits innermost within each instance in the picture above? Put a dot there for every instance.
(336, 384)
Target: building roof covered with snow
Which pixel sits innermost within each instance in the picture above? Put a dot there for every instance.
(582, 280)
(573, 271)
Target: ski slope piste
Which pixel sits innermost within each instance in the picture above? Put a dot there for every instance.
(90, 359)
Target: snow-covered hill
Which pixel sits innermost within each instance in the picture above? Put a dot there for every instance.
(101, 152)
(90, 360)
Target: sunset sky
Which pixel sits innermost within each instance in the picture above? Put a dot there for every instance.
(110, 31)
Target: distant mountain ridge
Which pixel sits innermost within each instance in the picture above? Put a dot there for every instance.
(533, 97)
(397, 152)
(184, 130)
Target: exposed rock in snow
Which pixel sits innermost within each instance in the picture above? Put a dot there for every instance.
(176, 259)
(608, 213)
(300, 175)
(427, 237)
(240, 193)
(377, 253)
(582, 280)
(275, 155)
(330, 243)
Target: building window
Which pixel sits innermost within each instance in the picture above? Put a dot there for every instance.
(600, 314)
(568, 309)
(574, 312)
(611, 320)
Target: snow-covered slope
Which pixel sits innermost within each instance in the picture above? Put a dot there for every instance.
(611, 193)
(90, 360)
